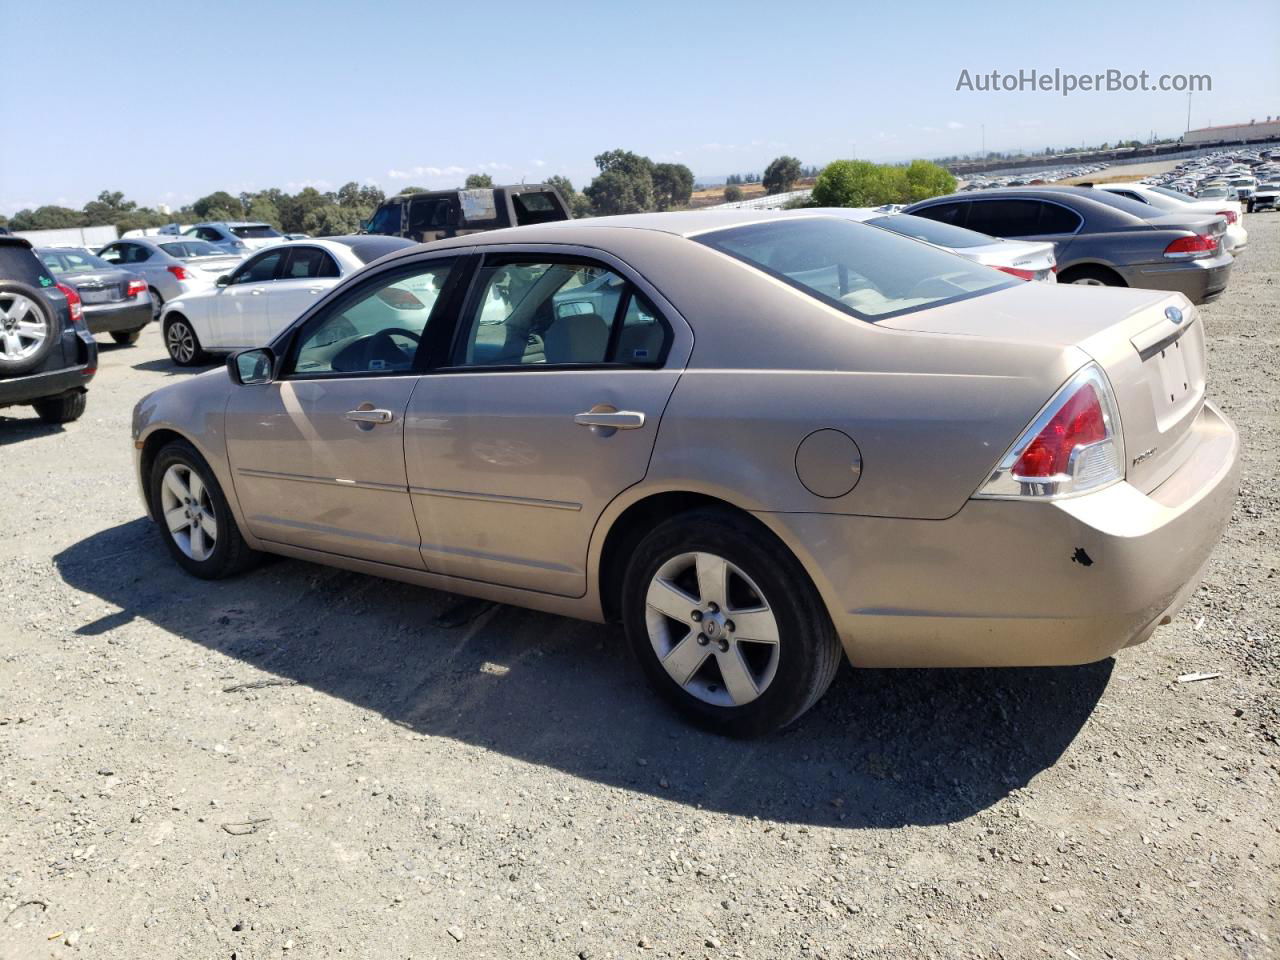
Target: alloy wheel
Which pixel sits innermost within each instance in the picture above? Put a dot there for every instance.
(181, 341)
(188, 512)
(23, 328)
(712, 629)
(1088, 282)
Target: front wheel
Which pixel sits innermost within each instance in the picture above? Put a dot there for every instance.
(194, 516)
(726, 623)
(181, 341)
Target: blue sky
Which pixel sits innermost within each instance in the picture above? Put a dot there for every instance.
(170, 101)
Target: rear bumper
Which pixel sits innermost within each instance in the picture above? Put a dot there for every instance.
(1020, 583)
(37, 386)
(126, 315)
(1198, 280)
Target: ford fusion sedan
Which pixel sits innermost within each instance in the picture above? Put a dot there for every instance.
(1100, 239)
(1019, 258)
(790, 439)
(263, 295)
(171, 266)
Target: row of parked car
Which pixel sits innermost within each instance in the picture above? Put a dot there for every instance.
(1251, 177)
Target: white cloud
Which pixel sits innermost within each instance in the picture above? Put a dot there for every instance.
(293, 186)
(425, 172)
(954, 125)
(539, 163)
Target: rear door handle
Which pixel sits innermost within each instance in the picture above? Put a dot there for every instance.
(370, 416)
(614, 420)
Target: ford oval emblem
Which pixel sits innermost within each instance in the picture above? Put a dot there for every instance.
(1173, 313)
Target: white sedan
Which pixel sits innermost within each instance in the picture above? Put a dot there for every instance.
(1174, 201)
(264, 294)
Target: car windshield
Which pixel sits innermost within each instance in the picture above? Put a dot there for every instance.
(1166, 192)
(869, 273)
(255, 231)
(72, 261)
(184, 249)
(931, 231)
(1212, 193)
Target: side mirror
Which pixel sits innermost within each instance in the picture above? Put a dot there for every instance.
(223, 280)
(247, 367)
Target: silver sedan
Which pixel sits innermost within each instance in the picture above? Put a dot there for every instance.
(758, 442)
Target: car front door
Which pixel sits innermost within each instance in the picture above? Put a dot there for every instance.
(317, 455)
(547, 409)
(241, 314)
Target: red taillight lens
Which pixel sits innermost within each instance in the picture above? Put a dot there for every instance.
(182, 273)
(73, 301)
(1020, 274)
(1199, 245)
(135, 287)
(1230, 216)
(1078, 423)
(400, 299)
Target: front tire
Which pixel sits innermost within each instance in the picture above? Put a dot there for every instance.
(62, 409)
(194, 517)
(726, 623)
(182, 343)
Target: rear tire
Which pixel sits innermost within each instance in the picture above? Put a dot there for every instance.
(193, 515)
(125, 337)
(62, 409)
(703, 650)
(1092, 277)
(157, 304)
(182, 343)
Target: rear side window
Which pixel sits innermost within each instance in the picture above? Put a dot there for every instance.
(1005, 218)
(930, 231)
(306, 263)
(535, 314)
(190, 248)
(386, 220)
(952, 213)
(19, 263)
(537, 208)
(1056, 219)
(864, 271)
(257, 231)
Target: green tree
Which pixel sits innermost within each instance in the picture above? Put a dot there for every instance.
(563, 184)
(855, 183)
(924, 180)
(477, 181)
(218, 205)
(672, 185)
(296, 209)
(412, 190)
(49, 217)
(732, 193)
(781, 174)
(108, 208)
(331, 220)
(263, 210)
(625, 184)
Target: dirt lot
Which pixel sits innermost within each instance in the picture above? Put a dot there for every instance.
(298, 763)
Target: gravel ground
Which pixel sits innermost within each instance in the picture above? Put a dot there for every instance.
(301, 763)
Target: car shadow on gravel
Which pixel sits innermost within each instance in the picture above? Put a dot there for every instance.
(884, 748)
(19, 429)
(167, 366)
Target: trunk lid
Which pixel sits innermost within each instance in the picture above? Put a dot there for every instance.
(99, 286)
(1154, 362)
(215, 266)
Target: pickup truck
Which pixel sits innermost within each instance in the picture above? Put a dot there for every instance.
(436, 214)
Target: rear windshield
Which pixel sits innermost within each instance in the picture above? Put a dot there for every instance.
(18, 262)
(256, 231)
(537, 208)
(869, 273)
(1166, 192)
(931, 231)
(72, 261)
(182, 249)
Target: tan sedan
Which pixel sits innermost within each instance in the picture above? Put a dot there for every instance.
(756, 440)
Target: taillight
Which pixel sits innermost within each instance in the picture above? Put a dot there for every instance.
(1188, 248)
(1020, 274)
(1230, 216)
(75, 305)
(182, 273)
(400, 299)
(136, 287)
(1072, 447)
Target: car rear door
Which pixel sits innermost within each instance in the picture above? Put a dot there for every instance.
(547, 409)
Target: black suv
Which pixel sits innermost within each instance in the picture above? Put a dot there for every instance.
(47, 355)
(436, 214)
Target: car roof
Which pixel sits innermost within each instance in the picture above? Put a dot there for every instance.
(229, 223)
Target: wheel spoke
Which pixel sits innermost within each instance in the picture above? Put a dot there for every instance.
(196, 486)
(198, 551)
(685, 658)
(12, 345)
(757, 624)
(177, 519)
(30, 330)
(175, 485)
(21, 307)
(713, 575)
(208, 525)
(670, 600)
(737, 678)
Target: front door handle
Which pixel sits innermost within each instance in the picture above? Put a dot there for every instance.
(370, 416)
(610, 419)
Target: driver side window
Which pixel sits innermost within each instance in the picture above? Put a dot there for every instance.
(375, 330)
(260, 269)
